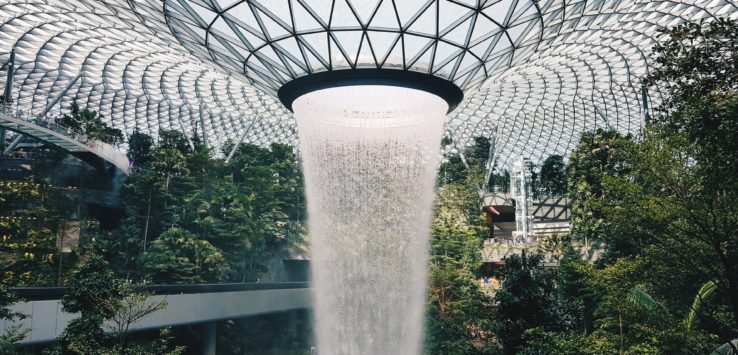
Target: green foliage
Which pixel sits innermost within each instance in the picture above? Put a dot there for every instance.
(729, 348)
(598, 158)
(705, 293)
(178, 256)
(123, 246)
(538, 341)
(458, 317)
(478, 152)
(640, 298)
(553, 175)
(131, 307)
(170, 162)
(92, 292)
(458, 168)
(12, 334)
(87, 122)
(98, 296)
(140, 148)
(695, 132)
(91, 287)
(173, 139)
(31, 215)
(249, 210)
(525, 300)
(577, 297)
(698, 67)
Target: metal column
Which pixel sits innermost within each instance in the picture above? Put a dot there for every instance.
(209, 338)
(8, 93)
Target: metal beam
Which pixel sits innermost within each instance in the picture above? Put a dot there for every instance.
(53, 102)
(491, 156)
(603, 117)
(8, 94)
(644, 97)
(182, 127)
(13, 144)
(240, 140)
(202, 128)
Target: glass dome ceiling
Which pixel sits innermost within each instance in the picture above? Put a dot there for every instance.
(536, 73)
(275, 41)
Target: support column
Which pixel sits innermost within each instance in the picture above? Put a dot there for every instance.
(8, 93)
(644, 98)
(209, 338)
(292, 319)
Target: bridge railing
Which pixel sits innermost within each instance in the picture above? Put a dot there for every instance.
(104, 150)
(26, 115)
(186, 304)
(55, 293)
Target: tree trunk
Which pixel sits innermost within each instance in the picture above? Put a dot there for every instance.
(166, 192)
(620, 324)
(148, 216)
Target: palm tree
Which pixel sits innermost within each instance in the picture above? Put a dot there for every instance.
(171, 162)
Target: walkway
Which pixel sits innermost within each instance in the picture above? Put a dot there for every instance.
(94, 152)
(187, 304)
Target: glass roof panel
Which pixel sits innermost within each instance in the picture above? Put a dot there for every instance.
(535, 74)
(453, 22)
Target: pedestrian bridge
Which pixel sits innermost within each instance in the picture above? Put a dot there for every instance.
(187, 304)
(98, 154)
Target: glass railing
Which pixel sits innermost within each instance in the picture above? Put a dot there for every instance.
(26, 115)
(107, 151)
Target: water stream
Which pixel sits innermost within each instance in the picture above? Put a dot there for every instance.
(369, 155)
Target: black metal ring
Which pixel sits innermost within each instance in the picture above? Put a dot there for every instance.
(440, 87)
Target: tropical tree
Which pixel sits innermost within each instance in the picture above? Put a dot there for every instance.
(457, 167)
(553, 175)
(697, 66)
(89, 123)
(173, 139)
(123, 246)
(107, 307)
(132, 307)
(600, 157)
(171, 162)
(32, 214)
(93, 292)
(178, 256)
(458, 317)
(12, 333)
(140, 148)
(524, 301)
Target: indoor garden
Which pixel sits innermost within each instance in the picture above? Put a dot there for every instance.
(379, 177)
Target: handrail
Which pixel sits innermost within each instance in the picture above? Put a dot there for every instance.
(48, 124)
(106, 151)
(55, 293)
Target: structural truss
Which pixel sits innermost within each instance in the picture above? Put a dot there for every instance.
(535, 73)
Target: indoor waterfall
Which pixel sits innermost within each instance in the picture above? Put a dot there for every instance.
(370, 155)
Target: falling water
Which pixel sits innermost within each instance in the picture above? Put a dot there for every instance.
(370, 155)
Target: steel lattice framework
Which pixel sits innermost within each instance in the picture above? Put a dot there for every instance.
(535, 73)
